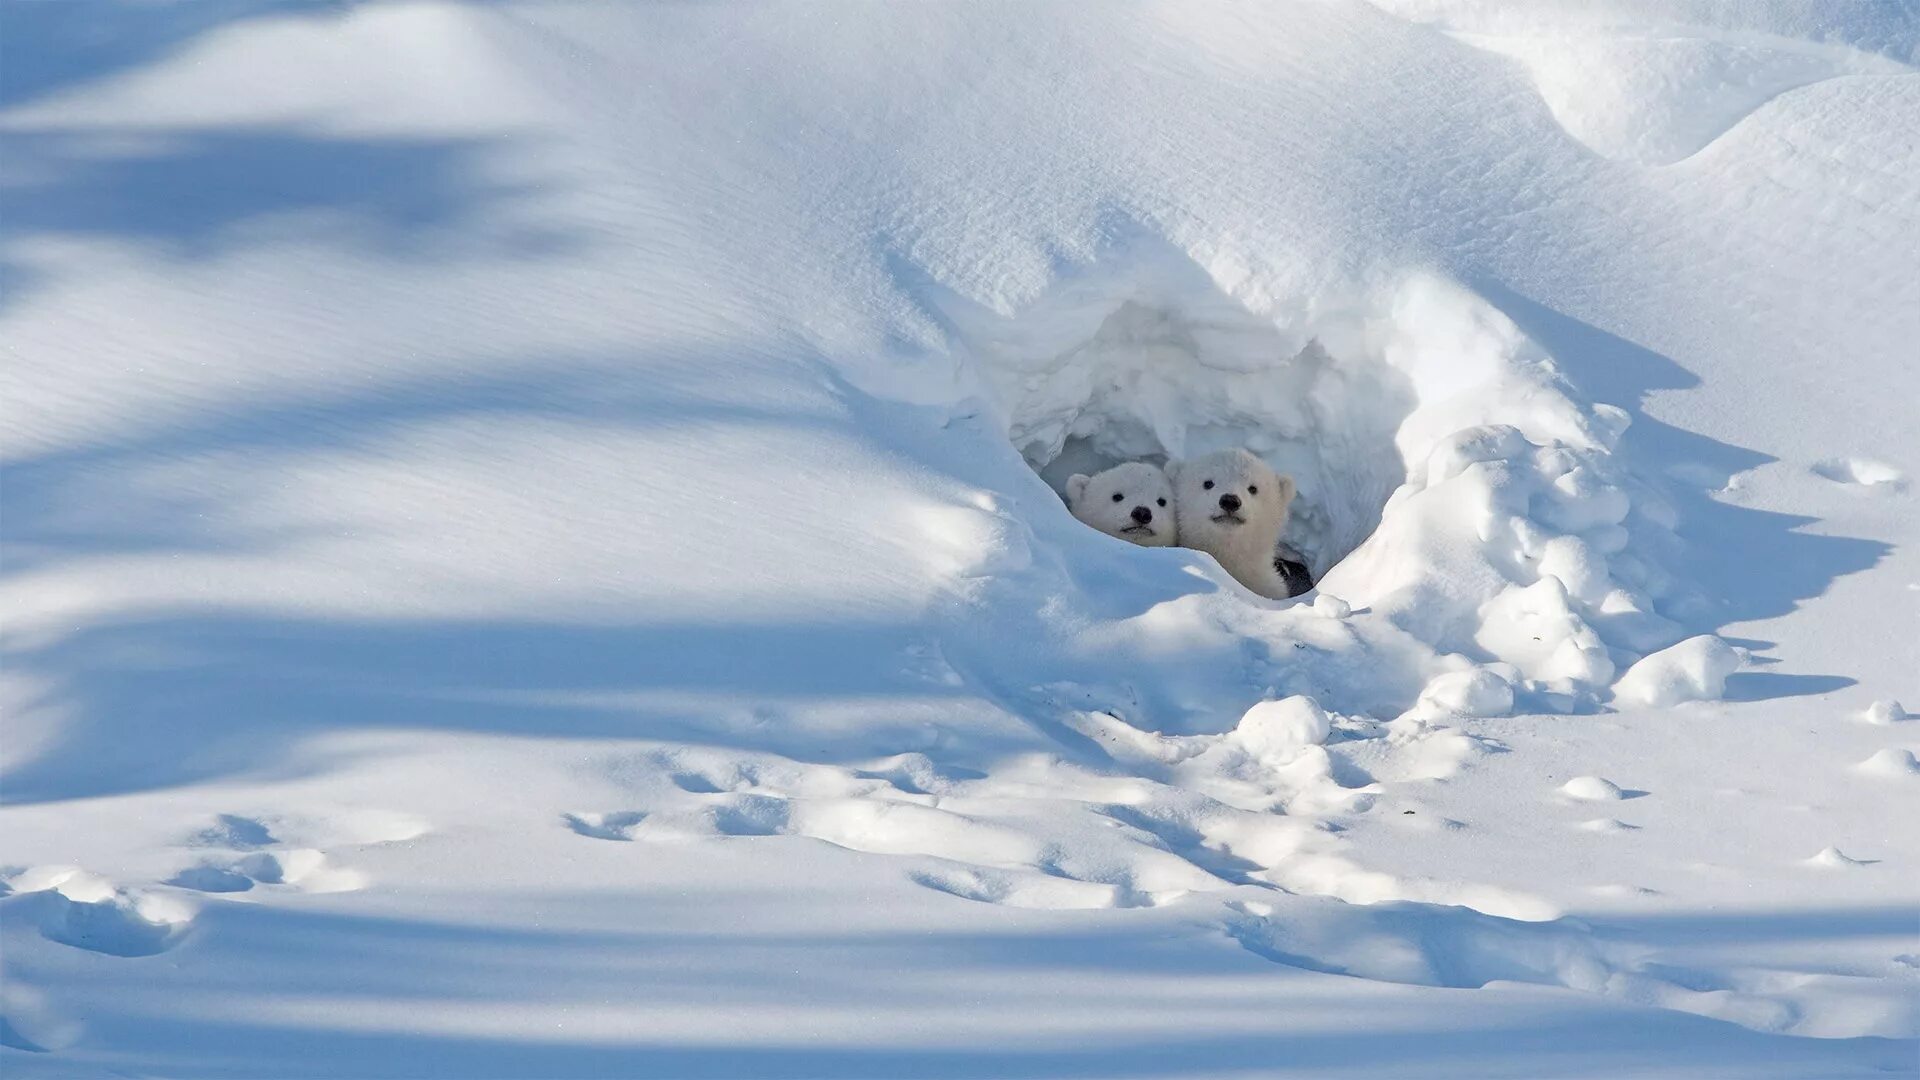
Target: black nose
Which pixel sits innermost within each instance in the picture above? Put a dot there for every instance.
(1230, 503)
(1142, 515)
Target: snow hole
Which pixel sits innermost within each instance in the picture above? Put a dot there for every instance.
(1348, 392)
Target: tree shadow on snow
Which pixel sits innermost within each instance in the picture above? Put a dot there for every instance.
(611, 981)
(187, 692)
(169, 702)
(198, 193)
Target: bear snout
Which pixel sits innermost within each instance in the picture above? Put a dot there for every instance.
(1230, 503)
(1142, 515)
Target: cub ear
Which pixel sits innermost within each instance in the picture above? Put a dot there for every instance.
(1172, 469)
(1077, 486)
(1288, 489)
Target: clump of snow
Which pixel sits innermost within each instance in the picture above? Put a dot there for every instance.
(1884, 711)
(1539, 630)
(1694, 670)
(1332, 606)
(1892, 761)
(1833, 858)
(1606, 825)
(1277, 731)
(1475, 692)
(1592, 789)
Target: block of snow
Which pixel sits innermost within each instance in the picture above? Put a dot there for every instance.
(1537, 630)
(1277, 731)
(1592, 789)
(1890, 762)
(1469, 447)
(1577, 566)
(1694, 670)
(1332, 606)
(1477, 692)
(1884, 711)
(1835, 859)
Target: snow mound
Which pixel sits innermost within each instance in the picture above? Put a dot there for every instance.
(1476, 692)
(1277, 731)
(1892, 761)
(1451, 482)
(1655, 100)
(1592, 789)
(1884, 712)
(1694, 670)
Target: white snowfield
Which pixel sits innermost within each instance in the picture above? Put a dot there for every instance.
(533, 545)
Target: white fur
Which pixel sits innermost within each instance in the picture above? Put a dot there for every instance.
(1139, 486)
(1242, 541)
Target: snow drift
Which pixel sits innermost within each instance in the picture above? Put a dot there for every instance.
(538, 558)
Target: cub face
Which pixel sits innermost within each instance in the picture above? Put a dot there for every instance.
(1133, 502)
(1230, 500)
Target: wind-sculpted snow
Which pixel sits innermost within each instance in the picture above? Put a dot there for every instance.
(545, 557)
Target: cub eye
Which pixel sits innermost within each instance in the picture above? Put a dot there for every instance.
(1208, 485)
(1251, 490)
(1163, 502)
(1117, 497)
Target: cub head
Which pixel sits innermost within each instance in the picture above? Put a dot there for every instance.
(1229, 499)
(1133, 502)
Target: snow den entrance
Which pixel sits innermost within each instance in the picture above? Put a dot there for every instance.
(1155, 361)
(1349, 392)
(1155, 382)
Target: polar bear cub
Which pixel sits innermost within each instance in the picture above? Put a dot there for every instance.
(1133, 501)
(1232, 506)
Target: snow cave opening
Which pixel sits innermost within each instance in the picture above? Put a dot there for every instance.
(1090, 381)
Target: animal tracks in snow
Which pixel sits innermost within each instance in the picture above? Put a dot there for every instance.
(73, 907)
(1863, 474)
(1173, 816)
(241, 852)
(234, 854)
(615, 825)
(1242, 830)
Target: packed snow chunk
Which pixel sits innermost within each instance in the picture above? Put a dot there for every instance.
(1891, 762)
(1606, 825)
(1884, 711)
(1537, 630)
(1276, 732)
(1592, 789)
(1581, 499)
(1478, 692)
(1694, 670)
(1833, 858)
(1472, 446)
(1331, 606)
(1577, 566)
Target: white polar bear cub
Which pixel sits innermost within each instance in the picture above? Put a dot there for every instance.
(1133, 502)
(1232, 506)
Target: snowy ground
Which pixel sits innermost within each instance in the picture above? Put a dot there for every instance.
(529, 548)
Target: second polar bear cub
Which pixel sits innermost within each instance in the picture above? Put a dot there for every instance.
(1133, 502)
(1232, 506)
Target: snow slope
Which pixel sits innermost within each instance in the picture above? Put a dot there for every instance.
(529, 547)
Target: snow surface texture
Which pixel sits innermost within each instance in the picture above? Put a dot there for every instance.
(544, 557)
